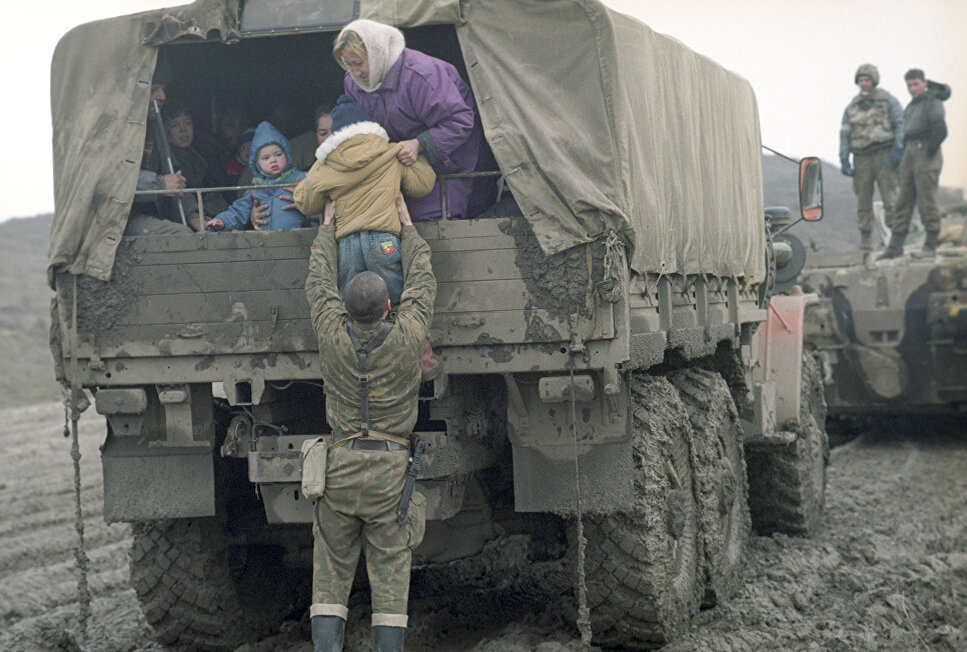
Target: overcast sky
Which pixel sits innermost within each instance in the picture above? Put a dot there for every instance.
(799, 55)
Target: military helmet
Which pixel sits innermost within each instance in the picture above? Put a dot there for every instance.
(870, 71)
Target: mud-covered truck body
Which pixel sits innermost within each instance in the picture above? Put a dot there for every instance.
(608, 349)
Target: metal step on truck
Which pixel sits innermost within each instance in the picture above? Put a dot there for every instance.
(611, 350)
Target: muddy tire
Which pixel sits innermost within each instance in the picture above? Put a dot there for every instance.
(199, 592)
(721, 491)
(787, 484)
(642, 565)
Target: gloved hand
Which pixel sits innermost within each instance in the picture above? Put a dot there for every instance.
(846, 168)
(895, 157)
(931, 149)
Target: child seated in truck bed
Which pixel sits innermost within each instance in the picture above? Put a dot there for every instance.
(271, 162)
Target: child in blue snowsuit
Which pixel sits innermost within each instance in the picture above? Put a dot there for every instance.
(270, 160)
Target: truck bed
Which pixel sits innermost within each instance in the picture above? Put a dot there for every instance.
(209, 307)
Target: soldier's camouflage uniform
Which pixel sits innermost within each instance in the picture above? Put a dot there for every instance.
(363, 487)
(871, 130)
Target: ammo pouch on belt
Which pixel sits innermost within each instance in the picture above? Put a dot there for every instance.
(314, 454)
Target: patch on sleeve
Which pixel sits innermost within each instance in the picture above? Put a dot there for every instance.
(387, 247)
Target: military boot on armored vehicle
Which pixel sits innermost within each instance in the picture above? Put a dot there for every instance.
(610, 348)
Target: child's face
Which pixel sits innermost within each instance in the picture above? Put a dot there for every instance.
(244, 151)
(271, 160)
(180, 130)
(323, 128)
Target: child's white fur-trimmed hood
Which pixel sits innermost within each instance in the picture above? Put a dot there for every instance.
(329, 145)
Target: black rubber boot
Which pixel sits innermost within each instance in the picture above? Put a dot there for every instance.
(388, 639)
(929, 249)
(866, 241)
(328, 633)
(895, 248)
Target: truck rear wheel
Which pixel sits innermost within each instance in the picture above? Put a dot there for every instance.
(642, 563)
(787, 482)
(200, 592)
(721, 490)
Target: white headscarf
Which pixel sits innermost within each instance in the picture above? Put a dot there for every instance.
(384, 45)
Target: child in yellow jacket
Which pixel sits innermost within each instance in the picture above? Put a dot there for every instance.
(357, 168)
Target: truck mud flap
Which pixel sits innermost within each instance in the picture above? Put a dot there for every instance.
(544, 479)
(144, 483)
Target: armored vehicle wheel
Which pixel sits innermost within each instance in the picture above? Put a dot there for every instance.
(721, 491)
(787, 483)
(642, 564)
(199, 592)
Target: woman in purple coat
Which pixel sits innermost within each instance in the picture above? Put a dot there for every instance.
(422, 103)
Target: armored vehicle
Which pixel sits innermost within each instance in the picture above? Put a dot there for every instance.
(610, 349)
(892, 333)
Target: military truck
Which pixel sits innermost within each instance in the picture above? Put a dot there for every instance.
(610, 349)
(892, 334)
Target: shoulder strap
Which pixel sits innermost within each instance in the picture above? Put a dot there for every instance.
(361, 354)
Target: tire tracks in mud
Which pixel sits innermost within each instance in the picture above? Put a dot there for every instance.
(38, 576)
(888, 569)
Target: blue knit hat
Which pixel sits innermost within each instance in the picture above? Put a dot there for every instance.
(347, 112)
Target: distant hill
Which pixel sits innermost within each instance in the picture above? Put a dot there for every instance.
(28, 372)
(27, 368)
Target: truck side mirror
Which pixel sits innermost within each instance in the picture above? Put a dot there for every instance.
(811, 189)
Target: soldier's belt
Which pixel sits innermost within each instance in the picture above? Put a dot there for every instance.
(374, 441)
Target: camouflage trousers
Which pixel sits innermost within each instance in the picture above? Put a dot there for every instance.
(869, 169)
(358, 512)
(919, 179)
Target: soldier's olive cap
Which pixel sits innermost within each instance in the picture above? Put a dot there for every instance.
(870, 71)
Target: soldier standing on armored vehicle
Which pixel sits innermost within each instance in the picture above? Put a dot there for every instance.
(925, 128)
(371, 404)
(872, 130)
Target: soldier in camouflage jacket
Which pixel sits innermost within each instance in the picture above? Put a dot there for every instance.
(365, 474)
(872, 131)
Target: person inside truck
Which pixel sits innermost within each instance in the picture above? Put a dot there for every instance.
(271, 163)
(424, 105)
(198, 173)
(304, 151)
(236, 168)
(157, 214)
(304, 145)
(230, 121)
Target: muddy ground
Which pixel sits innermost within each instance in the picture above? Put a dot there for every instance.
(887, 571)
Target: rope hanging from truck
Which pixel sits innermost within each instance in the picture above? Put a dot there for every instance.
(584, 614)
(80, 553)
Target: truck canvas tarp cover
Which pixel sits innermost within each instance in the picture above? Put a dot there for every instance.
(597, 122)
